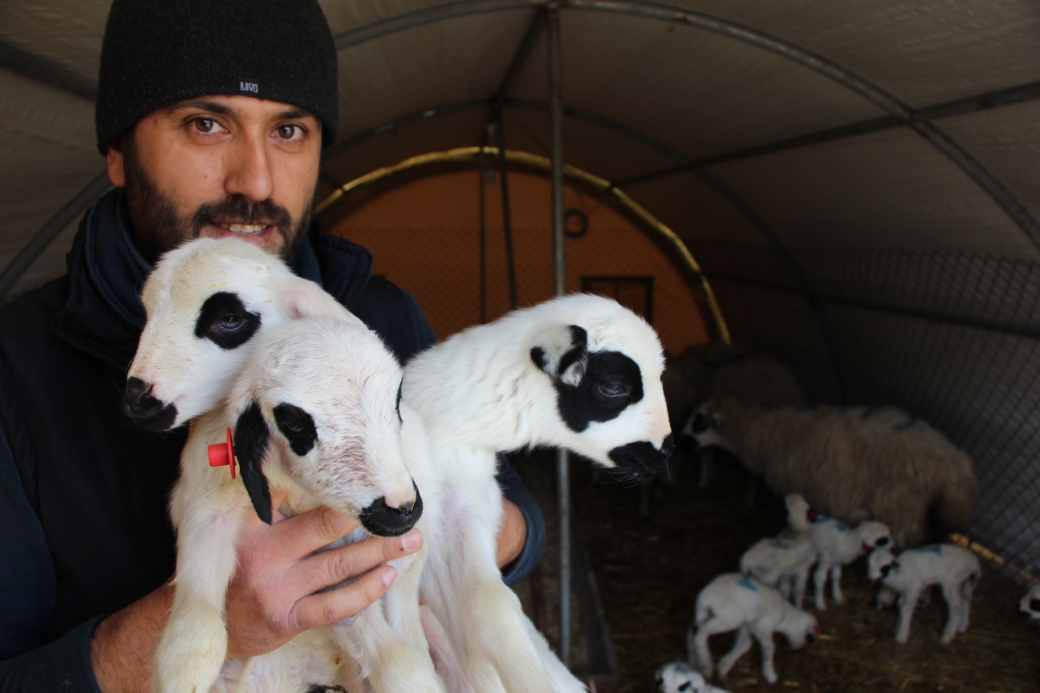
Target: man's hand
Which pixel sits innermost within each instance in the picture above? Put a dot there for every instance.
(511, 535)
(272, 597)
(274, 594)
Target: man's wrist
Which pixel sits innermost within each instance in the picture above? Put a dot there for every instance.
(124, 643)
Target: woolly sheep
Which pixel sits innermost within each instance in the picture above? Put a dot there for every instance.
(579, 372)
(1030, 604)
(678, 677)
(314, 412)
(837, 545)
(952, 567)
(784, 562)
(850, 462)
(733, 601)
(720, 371)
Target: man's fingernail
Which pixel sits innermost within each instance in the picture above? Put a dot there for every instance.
(387, 576)
(412, 540)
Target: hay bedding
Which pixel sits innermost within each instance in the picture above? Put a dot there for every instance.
(649, 572)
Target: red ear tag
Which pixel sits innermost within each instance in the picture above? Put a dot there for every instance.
(223, 454)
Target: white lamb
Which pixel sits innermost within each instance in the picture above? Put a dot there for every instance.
(678, 677)
(733, 601)
(851, 464)
(1030, 604)
(579, 372)
(952, 567)
(784, 561)
(837, 545)
(314, 413)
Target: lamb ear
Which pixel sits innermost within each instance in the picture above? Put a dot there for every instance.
(301, 298)
(562, 351)
(251, 439)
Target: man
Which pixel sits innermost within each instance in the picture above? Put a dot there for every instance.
(212, 117)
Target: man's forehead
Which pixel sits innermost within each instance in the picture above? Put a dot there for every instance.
(240, 106)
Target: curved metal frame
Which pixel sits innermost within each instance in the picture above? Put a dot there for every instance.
(472, 154)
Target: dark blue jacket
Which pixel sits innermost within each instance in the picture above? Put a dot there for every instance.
(84, 529)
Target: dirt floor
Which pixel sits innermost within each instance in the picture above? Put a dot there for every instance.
(649, 571)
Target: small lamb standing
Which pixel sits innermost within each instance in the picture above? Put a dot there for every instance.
(837, 545)
(678, 677)
(850, 463)
(1030, 604)
(784, 561)
(733, 601)
(954, 568)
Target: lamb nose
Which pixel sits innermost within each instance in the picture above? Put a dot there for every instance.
(136, 391)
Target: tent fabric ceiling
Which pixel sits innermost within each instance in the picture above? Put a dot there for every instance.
(812, 154)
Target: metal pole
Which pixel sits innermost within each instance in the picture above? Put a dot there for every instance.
(559, 289)
(507, 225)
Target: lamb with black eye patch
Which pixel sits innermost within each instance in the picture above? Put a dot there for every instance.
(579, 372)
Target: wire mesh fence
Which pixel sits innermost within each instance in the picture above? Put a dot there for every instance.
(951, 337)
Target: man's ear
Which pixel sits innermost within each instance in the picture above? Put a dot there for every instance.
(116, 163)
(301, 298)
(251, 439)
(562, 352)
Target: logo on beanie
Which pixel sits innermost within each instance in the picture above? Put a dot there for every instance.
(251, 87)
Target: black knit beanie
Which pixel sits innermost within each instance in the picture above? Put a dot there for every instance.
(158, 52)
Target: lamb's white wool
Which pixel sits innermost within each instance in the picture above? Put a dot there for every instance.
(314, 412)
(678, 677)
(205, 302)
(784, 562)
(733, 601)
(952, 567)
(850, 463)
(1030, 604)
(292, 299)
(579, 372)
(837, 545)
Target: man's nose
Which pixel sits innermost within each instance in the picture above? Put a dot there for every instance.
(248, 168)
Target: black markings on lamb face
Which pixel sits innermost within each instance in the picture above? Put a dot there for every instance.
(400, 389)
(637, 461)
(297, 426)
(147, 411)
(224, 320)
(251, 436)
(612, 382)
(383, 521)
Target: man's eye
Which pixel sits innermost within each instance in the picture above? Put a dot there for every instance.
(206, 125)
(289, 132)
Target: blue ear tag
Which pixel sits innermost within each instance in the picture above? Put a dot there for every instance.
(842, 527)
(779, 544)
(746, 583)
(904, 425)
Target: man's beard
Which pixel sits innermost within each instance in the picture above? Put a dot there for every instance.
(156, 228)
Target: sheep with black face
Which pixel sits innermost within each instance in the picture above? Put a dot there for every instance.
(314, 412)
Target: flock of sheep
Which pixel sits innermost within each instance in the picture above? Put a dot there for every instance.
(296, 393)
(857, 481)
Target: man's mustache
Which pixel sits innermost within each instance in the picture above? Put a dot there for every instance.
(237, 209)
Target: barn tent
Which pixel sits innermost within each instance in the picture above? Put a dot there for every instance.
(857, 182)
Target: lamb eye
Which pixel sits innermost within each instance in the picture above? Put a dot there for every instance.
(612, 389)
(231, 322)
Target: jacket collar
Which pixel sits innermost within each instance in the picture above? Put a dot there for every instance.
(103, 315)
